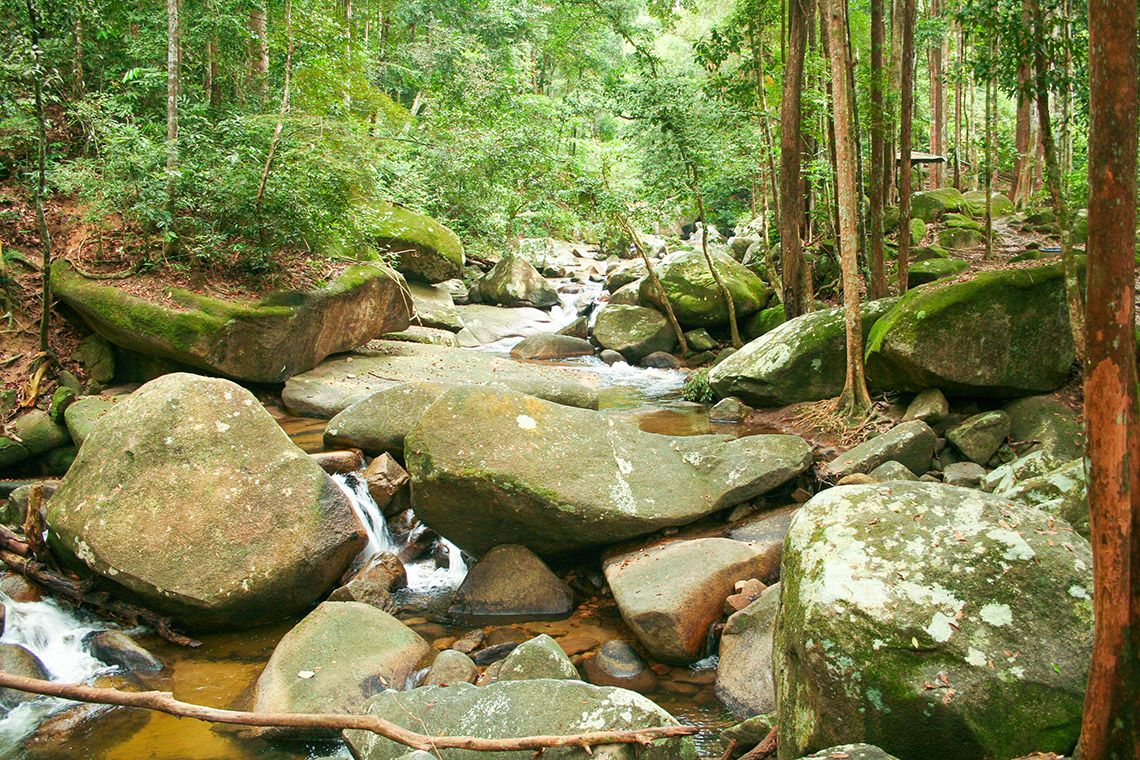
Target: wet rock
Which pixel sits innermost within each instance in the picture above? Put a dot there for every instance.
(116, 648)
(617, 663)
(930, 406)
(551, 346)
(729, 409)
(851, 752)
(963, 474)
(469, 642)
(804, 359)
(541, 706)
(511, 584)
(19, 661)
(573, 645)
(610, 357)
(451, 667)
(342, 381)
(504, 634)
(374, 583)
(661, 360)
(19, 589)
(748, 733)
(695, 296)
(890, 625)
(386, 481)
(555, 478)
(579, 328)
(891, 470)
(745, 674)
(909, 443)
(979, 437)
(324, 666)
(670, 594)
(633, 331)
(514, 281)
(83, 731)
(338, 462)
(541, 657)
(183, 471)
(494, 654)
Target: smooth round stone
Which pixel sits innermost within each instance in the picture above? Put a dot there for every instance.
(617, 663)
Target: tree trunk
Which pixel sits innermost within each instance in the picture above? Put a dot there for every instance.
(854, 401)
(877, 283)
(173, 61)
(734, 330)
(906, 116)
(1017, 192)
(961, 40)
(934, 65)
(655, 281)
(791, 180)
(991, 104)
(259, 60)
(41, 173)
(1111, 727)
(765, 131)
(213, 75)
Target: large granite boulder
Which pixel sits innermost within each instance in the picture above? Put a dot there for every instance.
(523, 470)
(1041, 423)
(190, 497)
(1000, 333)
(488, 324)
(635, 332)
(513, 281)
(284, 333)
(671, 593)
(804, 359)
(519, 708)
(433, 306)
(425, 250)
(929, 205)
(932, 621)
(509, 584)
(694, 295)
(378, 423)
(340, 382)
(340, 654)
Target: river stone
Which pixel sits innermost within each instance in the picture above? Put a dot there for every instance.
(37, 434)
(729, 409)
(851, 752)
(694, 295)
(451, 666)
(610, 357)
(1045, 424)
(670, 594)
(929, 205)
(930, 406)
(551, 346)
(891, 470)
(340, 654)
(374, 583)
(765, 533)
(117, 648)
(980, 436)
(1062, 492)
(433, 306)
(1001, 333)
(510, 584)
(633, 331)
(804, 359)
(378, 423)
(513, 281)
(267, 341)
(627, 295)
(425, 249)
(745, 674)
(963, 474)
(537, 706)
(541, 657)
(192, 498)
(428, 335)
(97, 359)
(617, 663)
(892, 628)
(489, 324)
(909, 443)
(922, 272)
(624, 275)
(554, 478)
(763, 322)
(342, 381)
(19, 661)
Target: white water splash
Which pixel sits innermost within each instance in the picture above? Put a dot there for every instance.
(424, 576)
(355, 487)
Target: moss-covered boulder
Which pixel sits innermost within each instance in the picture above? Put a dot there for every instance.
(922, 272)
(938, 623)
(514, 281)
(960, 238)
(285, 333)
(1041, 423)
(190, 497)
(917, 231)
(81, 416)
(1000, 205)
(693, 293)
(525, 471)
(425, 250)
(929, 205)
(540, 657)
(635, 332)
(1002, 333)
(508, 709)
(434, 306)
(763, 322)
(34, 433)
(804, 359)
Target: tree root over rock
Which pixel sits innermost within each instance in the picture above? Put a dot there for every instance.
(161, 701)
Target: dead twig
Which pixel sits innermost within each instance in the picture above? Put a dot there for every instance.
(165, 702)
(34, 526)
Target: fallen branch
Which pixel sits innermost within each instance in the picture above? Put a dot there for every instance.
(765, 749)
(165, 702)
(83, 594)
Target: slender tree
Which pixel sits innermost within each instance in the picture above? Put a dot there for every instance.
(1111, 727)
(877, 282)
(173, 65)
(35, 36)
(795, 296)
(906, 116)
(990, 106)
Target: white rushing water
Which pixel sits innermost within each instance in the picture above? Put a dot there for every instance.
(380, 539)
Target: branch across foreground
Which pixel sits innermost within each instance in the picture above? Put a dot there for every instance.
(165, 702)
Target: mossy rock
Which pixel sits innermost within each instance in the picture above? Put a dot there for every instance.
(961, 221)
(922, 272)
(96, 358)
(694, 295)
(1080, 227)
(285, 333)
(917, 231)
(763, 322)
(929, 205)
(633, 331)
(426, 250)
(960, 238)
(1000, 205)
(930, 252)
(997, 334)
(37, 434)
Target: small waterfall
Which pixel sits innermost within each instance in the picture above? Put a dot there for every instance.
(425, 576)
(379, 537)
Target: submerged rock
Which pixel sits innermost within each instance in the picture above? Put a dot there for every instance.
(539, 706)
(554, 478)
(19, 661)
(191, 497)
(617, 663)
(933, 621)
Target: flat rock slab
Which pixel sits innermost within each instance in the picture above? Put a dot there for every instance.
(339, 382)
(522, 470)
(487, 324)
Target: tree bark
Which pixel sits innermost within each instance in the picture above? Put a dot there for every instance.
(35, 34)
(726, 296)
(658, 288)
(259, 59)
(877, 283)
(1018, 191)
(173, 61)
(1111, 726)
(791, 180)
(934, 65)
(991, 104)
(854, 401)
(906, 116)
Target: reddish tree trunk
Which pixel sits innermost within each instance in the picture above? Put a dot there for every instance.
(791, 181)
(906, 116)
(877, 284)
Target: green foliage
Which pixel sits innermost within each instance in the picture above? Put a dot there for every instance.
(697, 387)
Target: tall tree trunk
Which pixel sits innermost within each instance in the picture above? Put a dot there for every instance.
(173, 61)
(1073, 295)
(906, 116)
(991, 105)
(281, 118)
(877, 284)
(77, 60)
(765, 131)
(655, 281)
(259, 63)
(934, 64)
(41, 171)
(854, 401)
(961, 42)
(726, 296)
(800, 13)
(1022, 129)
(1111, 727)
